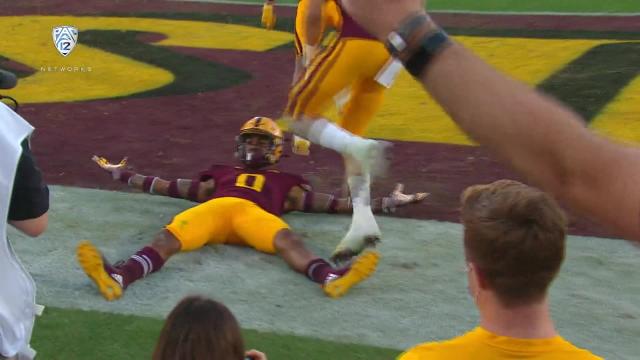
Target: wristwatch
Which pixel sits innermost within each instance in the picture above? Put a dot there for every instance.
(416, 41)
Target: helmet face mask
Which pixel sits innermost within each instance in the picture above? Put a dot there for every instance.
(259, 143)
(253, 149)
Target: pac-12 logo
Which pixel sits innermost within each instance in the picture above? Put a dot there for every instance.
(65, 38)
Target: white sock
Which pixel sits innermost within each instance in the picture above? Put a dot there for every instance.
(360, 189)
(362, 219)
(325, 133)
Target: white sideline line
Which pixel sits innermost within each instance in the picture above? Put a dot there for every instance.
(551, 13)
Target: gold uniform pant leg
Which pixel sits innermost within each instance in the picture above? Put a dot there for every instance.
(331, 18)
(364, 102)
(207, 223)
(257, 228)
(301, 26)
(332, 15)
(330, 72)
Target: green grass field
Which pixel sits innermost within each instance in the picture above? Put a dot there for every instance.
(76, 334)
(573, 6)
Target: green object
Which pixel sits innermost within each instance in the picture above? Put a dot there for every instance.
(78, 334)
(577, 6)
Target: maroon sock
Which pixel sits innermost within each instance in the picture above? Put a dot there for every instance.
(320, 271)
(139, 265)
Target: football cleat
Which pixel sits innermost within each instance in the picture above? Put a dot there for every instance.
(363, 267)
(363, 232)
(106, 278)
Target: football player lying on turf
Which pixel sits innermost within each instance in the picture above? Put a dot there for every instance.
(240, 206)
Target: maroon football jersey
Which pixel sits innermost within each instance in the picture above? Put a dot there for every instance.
(267, 188)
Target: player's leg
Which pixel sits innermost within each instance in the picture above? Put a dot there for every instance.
(270, 234)
(189, 230)
(111, 280)
(335, 281)
(366, 99)
(310, 22)
(330, 72)
(363, 104)
(308, 45)
(301, 43)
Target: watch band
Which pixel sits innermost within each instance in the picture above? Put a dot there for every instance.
(416, 41)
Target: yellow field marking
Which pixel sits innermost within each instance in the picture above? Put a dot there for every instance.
(529, 60)
(407, 115)
(620, 119)
(90, 73)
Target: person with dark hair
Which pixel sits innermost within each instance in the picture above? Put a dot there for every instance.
(514, 245)
(538, 136)
(199, 328)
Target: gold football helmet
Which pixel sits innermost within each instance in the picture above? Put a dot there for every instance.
(264, 126)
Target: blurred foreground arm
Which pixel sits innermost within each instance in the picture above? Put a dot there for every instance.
(29, 207)
(541, 138)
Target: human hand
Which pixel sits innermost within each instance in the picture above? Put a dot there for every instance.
(380, 17)
(397, 199)
(255, 355)
(114, 169)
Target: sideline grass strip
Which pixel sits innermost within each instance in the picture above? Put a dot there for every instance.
(571, 6)
(78, 334)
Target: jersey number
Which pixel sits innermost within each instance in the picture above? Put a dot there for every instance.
(251, 181)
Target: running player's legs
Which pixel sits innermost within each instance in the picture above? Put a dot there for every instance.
(331, 71)
(347, 62)
(365, 99)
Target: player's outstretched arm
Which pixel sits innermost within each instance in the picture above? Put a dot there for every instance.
(188, 189)
(316, 202)
(397, 198)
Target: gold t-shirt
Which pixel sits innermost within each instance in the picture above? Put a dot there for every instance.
(480, 344)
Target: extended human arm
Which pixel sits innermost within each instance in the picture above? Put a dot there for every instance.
(29, 205)
(306, 200)
(193, 190)
(538, 136)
